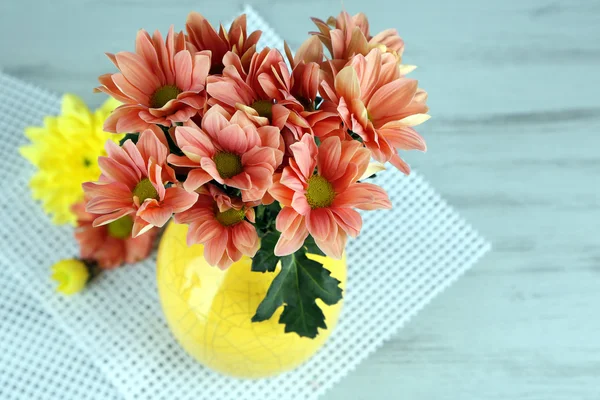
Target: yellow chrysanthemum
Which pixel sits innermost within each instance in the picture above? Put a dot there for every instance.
(71, 276)
(65, 151)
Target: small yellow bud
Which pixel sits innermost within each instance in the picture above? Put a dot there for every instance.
(71, 276)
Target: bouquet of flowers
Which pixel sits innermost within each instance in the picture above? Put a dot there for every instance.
(261, 154)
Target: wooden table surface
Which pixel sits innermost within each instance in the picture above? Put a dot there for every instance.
(514, 145)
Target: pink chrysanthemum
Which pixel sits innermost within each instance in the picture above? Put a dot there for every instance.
(346, 36)
(221, 224)
(160, 84)
(133, 183)
(262, 91)
(202, 36)
(231, 150)
(304, 86)
(380, 105)
(322, 202)
(110, 245)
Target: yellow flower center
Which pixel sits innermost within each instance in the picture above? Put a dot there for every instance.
(163, 95)
(121, 228)
(264, 108)
(230, 217)
(145, 190)
(228, 164)
(320, 192)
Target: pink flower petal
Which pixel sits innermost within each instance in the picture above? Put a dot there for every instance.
(245, 234)
(140, 227)
(356, 194)
(137, 249)
(151, 148)
(108, 218)
(118, 172)
(137, 73)
(347, 84)
(260, 155)
(200, 70)
(305, 153)
(183, 69)
(105, 205)
(215, 248)
(195, 179)
(328, 159)
(286, 219)
(290, 179)
(233, 139)
(135, 156)
(144, 47)
(348, 219)
(125, 119)
(333, 246)
(181, 161)
(399, 163)
(115, 190)
(320, 223)
(155, 176)
(179, 199)
(215, 120)
(154, 213)
(300, 204)
(136, 95)
(391, 98)
(204, 232)
(210, 167)
(194, 143)
(402, 137)
(380, 198)
(351, 175)
(282, 194)
(241, 181)
(288, 245)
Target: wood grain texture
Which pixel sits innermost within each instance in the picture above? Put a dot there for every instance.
(514, 145)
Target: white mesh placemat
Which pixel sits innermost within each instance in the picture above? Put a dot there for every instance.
(403, 258)
(38, 360)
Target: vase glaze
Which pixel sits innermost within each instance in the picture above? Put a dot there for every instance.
(209, 311)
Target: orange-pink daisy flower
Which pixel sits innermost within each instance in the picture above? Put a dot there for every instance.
(231, 150)
(304, 86)
(223, 225)
(161, 83)
(133, 183)
(380, 105)
(110, 245)
(202, 36)
(346, 36)
(262, 91)
(319, 192)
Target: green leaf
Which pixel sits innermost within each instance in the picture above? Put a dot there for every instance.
(311, 246)
(130, 136)
(265, 259)
(265, 218)
(304, 320)
(299, 283)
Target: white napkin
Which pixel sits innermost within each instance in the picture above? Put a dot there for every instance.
(403, 258)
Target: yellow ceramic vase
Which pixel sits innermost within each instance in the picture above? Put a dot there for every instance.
(209, 311)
